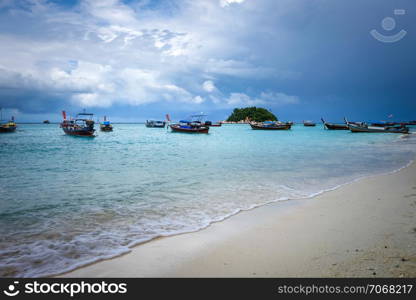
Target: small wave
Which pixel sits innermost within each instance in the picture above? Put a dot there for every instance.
(208, 223)
(110, 211)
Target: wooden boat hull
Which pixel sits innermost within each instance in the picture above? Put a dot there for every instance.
(7, 129)
(106, 127)
(278, 127)
(384, 124)
(333, 126)
(330, 126)
(373, 129)
(155, 126)
(202, 129)
(87, 133)
(309, 125)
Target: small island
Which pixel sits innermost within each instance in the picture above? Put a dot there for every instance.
(247, 114)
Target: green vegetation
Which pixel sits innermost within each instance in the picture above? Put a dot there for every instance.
(257, 114)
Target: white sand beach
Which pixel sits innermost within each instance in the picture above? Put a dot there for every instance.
(363, 229)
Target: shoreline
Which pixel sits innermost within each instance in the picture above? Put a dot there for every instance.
(154, 258)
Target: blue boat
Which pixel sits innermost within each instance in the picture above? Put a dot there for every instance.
(106, 125)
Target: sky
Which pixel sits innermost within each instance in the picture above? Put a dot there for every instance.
(136, 60)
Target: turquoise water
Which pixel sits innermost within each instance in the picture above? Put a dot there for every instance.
(68, 201)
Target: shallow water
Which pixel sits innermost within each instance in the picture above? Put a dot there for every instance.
(67, 201)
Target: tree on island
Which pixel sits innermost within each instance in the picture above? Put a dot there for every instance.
(257, 114)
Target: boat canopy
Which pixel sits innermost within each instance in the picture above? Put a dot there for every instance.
(106, 122)
(268, 122)
(197, 118)
(184, 121)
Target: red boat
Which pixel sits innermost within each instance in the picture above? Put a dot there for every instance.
(80, 126)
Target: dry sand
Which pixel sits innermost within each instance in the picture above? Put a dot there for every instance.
(363, 229)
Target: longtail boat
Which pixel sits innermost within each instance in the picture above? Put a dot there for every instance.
(82, 125)
(7, 126)
(334, 126)
(155, 124)
(195, 125)
(106, 125)
(210, 124)
(189, 127)
(270, 125)
(384, 124)
(407, 123)
(309, 124)
(364, 127)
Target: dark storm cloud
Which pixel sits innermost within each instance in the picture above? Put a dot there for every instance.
(300, 58)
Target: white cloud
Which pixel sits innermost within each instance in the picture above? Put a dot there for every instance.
(87, 99)
(111, 11)
(242, 99)
(198, 99)
(106, 52)
(225, 3)
(209, 86)
(235, 68)
(238, 99)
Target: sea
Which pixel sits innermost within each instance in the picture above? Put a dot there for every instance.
(69, 201)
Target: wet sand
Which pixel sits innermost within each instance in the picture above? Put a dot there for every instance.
(363, 229)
